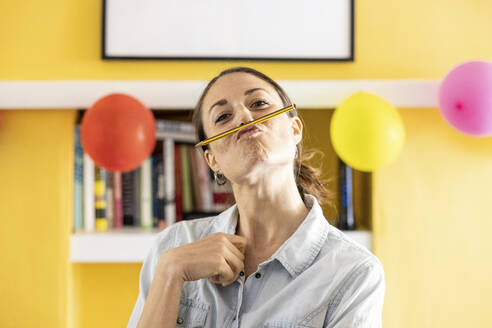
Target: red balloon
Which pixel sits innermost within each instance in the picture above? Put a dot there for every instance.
(118, 132)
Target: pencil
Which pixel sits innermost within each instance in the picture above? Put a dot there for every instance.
(258, 120)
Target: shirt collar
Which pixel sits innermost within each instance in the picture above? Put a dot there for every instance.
(301, 248)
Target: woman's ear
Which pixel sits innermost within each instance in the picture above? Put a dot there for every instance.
(297, 128)
(210, 159)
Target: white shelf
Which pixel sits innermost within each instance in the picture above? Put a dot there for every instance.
(184, 94)
(131, 245)
(124, 245)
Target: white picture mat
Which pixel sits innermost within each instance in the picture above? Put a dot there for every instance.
(311, 29)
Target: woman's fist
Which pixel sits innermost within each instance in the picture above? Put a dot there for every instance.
(219, 257)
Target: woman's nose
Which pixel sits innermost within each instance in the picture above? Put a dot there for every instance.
(243, 115)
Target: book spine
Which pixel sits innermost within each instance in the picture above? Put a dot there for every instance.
(137, 220)
(78, 196)
(155, 200)
(100, 199)
(127, 189)
(118, 210)
(146, 193)
(161, 193)
(178, 190)
(169, 181)
(110, 199)
(169, 126)
(89, 213)
(186, 180)
(177, 130)
(346, 213)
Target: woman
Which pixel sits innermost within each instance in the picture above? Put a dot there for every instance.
(272, 259)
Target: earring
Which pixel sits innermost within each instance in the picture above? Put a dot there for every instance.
(297, 153)
(219, 178)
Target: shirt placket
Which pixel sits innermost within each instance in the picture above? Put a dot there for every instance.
(254, 285)
(235, 319)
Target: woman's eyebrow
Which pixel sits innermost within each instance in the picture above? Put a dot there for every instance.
(247, 92)
(224, 101)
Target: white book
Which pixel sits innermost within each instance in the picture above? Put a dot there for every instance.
(177, 130)
(110, 199)
(169, 188)
(146, 214)
(89, 209)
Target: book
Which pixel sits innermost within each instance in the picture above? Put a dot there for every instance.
(78, 192)
(169, 181)
(346, 209)
(118, 210)
(146, 214)
(110, 199)
(178, 184)
(100, 198)
(127, 198)
(137, 220)
(187, 188)
(158, 187)
(176, 130)
(171, 133)
(89, 211)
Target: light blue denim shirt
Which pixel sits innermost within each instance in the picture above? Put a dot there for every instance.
(319, 277)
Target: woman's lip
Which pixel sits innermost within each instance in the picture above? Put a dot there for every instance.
(253, 127)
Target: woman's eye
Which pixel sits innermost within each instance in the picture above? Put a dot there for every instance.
(260, 103)
(257, 103)
(220, 118)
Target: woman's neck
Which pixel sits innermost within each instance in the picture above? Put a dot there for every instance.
(268, 215)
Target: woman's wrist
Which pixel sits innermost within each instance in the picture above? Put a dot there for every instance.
(169, 267)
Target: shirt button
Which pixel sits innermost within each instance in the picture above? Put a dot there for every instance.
(258, 275)
(180, 320)
(241, 273)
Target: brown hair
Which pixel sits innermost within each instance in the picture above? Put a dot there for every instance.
(307, 177)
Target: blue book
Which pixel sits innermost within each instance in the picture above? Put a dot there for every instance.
(78, 186)
(346, 207)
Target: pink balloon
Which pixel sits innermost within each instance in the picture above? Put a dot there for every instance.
(465, 98)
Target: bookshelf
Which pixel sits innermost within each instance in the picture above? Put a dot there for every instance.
(131, 244)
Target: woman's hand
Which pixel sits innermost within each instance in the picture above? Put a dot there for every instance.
(219, 257)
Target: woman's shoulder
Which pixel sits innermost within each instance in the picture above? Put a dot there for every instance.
(343, 249)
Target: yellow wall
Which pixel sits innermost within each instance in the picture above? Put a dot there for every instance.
(432, 219)
(36, 200)
(430, 207)
(60, 39)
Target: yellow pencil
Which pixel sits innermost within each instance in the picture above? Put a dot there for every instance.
(258, 120)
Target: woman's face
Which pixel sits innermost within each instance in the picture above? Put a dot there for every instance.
(238, 98)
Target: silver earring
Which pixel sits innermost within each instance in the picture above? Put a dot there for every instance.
(219, 178)
(297, 153)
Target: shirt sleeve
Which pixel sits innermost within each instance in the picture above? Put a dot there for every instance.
(163, 242)
(359, 301)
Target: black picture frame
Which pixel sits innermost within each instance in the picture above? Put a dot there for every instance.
(105, 56)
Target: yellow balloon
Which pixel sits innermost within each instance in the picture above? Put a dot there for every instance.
(367, 132)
